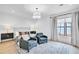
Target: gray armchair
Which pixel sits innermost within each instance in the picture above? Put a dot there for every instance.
(29, 44)
(41, 38)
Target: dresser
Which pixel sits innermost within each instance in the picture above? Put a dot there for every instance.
(6, 36)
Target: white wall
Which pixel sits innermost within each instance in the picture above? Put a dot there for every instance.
(18, 21)
(13, 19)
(45, 27)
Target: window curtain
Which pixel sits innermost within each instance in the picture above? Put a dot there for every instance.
(75, 36)
(75, 40)
(75, 29)
(53, 29)
(55, 35)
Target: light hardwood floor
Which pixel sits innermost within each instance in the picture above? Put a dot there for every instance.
(8, 47)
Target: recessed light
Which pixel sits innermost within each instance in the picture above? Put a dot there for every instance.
(61, 4)
(13, 11)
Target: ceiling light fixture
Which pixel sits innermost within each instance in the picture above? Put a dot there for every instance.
(36, 14)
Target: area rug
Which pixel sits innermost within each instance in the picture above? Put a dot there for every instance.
(54, 48)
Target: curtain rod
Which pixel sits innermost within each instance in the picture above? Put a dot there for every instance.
(65, 13)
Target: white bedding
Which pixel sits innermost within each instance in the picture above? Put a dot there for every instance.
(53, 48)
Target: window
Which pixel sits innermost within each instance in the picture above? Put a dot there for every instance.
(68, 26)
(60, 27)
(64, 26)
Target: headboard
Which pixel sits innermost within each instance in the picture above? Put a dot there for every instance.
(23, 33)
(32, 32)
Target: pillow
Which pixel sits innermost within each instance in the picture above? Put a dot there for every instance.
(25, 37)
(32, 35)
(18, 38)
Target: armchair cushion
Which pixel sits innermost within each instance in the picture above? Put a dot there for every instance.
(39, 34)
(44, 36)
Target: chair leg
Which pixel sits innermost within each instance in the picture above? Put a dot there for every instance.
(28, 50)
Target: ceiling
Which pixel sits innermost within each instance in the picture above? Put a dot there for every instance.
(26, 10)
